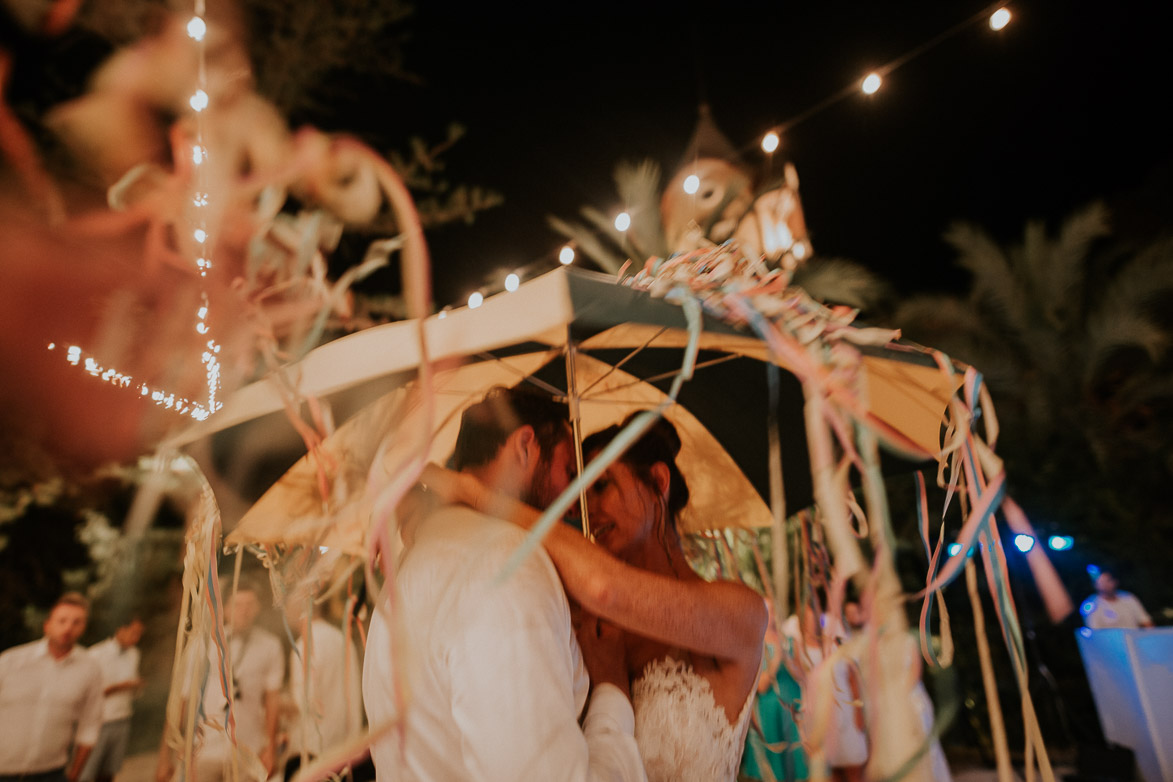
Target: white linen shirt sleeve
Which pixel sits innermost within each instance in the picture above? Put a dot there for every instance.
(89, 723)
(514, 697)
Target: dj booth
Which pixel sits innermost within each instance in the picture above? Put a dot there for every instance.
(1131, 678)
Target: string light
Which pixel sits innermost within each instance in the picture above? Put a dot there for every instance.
(511, 282)
(996, 15)
(162, 398)
(692, 183)
(197, 28)
(199, 101)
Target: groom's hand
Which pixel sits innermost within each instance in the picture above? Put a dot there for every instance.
(603, 651)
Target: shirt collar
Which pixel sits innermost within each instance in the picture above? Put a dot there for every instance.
(43, 651)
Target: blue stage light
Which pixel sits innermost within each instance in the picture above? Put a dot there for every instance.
(1024, 543)
(1060, 542)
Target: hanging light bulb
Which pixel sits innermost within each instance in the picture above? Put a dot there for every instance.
(872, 83)
(622, 221)
(197, 28)
(199, 101)
(566, 255)
(692, 183)
(1000, 18)
(770, 142)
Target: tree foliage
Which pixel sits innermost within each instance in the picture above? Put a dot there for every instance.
(1070, 330)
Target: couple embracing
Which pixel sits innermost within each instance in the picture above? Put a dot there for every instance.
(498, 671)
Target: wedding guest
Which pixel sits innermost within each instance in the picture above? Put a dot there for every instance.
(256, 660)
(50, 700)
(118, 659)
(325, 685)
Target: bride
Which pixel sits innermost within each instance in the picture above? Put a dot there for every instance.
(693, 647)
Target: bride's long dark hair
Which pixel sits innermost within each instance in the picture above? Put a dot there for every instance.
(660, 444)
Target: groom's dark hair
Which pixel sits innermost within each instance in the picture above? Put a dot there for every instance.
(485, 425)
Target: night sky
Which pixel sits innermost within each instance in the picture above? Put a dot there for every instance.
(1063, 106)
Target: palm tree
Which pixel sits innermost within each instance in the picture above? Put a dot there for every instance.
(1072, 337)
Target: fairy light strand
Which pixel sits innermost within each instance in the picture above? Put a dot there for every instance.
(199, 101)
(997, 15)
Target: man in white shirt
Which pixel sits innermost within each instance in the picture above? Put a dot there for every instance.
(256, 659)
(1112, 607)
(325, 685)
(118, 658)
(50, 700)
(492, 668)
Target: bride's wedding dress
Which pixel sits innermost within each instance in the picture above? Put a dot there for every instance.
(683, 735)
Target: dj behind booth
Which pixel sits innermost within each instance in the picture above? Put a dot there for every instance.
(1129, 668)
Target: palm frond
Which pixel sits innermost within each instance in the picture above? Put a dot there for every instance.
(588, 243)
(956, 327)
(1126, 331)
(639, 190)
(1139, 283)
(1060, 278)
(994, 280)
(840, 281)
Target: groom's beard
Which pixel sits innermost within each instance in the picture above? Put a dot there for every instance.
(540, 493)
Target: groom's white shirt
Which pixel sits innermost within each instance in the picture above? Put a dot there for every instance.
(494, 673)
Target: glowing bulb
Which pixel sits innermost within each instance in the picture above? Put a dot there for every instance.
(692, 183)
(622, 221)
(197, 28)
(1060, 542)
(566, 255)
(1024, 543)
(770, 142)
(475, 300)
(511, 282)
(999, 19)
(954, 549)
(200, 235)
(872, 83)
(199, 101)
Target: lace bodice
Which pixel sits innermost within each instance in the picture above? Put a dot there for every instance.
(683, 735)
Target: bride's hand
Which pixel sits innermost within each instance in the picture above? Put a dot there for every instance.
(603, 650)
(451, 487)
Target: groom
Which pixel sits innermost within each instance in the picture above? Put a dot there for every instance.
(494, 673)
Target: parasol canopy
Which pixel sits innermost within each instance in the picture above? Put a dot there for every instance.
(625, 347)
